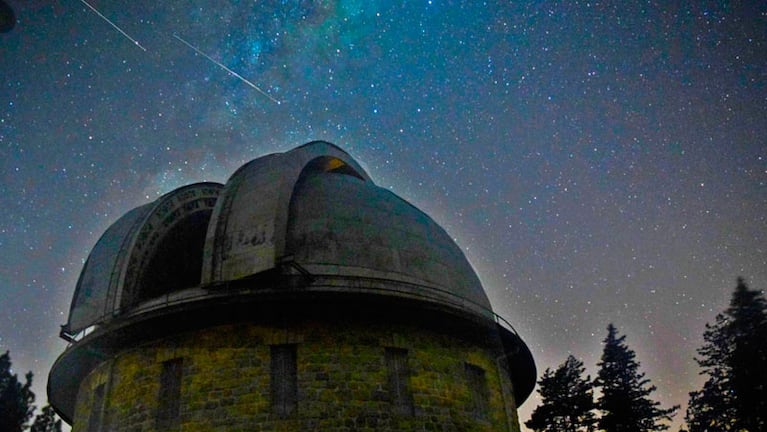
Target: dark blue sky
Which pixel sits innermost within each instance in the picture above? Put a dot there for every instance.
(596, 161)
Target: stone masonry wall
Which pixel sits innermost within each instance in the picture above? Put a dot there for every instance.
(341, 376)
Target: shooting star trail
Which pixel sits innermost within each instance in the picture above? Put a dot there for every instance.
(112, 24)
(233, 73)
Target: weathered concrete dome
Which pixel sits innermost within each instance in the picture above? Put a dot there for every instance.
(152, 250)
(341, 225)
(312, 210)
(316, 208)
(305, 233)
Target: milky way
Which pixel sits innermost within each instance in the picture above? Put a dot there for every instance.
(596, 161)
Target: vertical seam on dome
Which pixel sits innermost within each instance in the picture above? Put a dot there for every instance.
(222, 222)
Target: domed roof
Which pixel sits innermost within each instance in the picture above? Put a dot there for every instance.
(140, 249)
(246, 234)
(342, 225)
(313, 208)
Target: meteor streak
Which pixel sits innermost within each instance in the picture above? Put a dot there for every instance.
(231, 72)
(112, 24)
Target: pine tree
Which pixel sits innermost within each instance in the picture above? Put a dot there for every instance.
(46, 421)
(16, 399)
(568, 401)
(733, 355)
(625, 401)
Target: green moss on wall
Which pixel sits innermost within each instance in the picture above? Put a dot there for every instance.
(341, 374)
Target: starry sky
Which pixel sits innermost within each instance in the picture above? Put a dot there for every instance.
(597, 161)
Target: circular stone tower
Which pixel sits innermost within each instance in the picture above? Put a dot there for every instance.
(297, 296)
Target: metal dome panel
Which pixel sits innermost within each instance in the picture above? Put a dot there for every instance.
(342, 226)
(247, 230)
(109, 280)
(95, 294)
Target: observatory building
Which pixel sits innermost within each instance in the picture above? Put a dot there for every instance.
(298, 296)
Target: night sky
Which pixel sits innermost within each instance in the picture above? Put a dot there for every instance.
(596, 161)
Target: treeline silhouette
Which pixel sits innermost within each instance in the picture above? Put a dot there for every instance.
(734, 397)
(17, 403)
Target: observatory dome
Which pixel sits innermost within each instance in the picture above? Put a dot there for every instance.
(301, 255)
(312, 211)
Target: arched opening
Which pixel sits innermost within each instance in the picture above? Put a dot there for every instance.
(167, 250)
(176, 262)
(329, 164)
